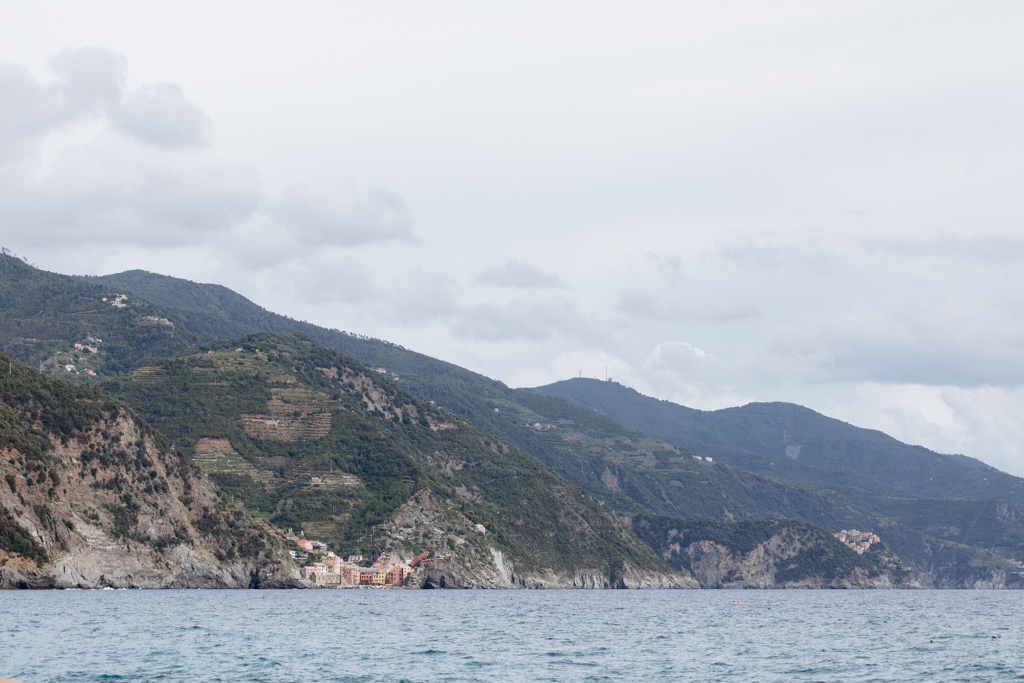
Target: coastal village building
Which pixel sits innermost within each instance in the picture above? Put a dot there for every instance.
(331, 571)
(858, 541)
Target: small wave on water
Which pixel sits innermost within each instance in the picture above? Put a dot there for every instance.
(511, 635)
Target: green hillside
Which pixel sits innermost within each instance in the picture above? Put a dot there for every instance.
(631, 470)
(310, 439)
(624, 466)
(44, 315)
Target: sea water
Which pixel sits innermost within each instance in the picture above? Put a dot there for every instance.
(401, 635)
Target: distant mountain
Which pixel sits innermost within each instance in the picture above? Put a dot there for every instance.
(792, 443)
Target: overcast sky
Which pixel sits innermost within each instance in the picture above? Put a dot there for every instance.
(719, 202)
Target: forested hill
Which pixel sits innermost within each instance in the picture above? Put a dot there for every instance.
(212, 311)
(951, 542)
(308, 438)
(784, 440)
(77, 329)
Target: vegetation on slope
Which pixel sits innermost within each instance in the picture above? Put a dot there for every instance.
(313, 440)
(72, 457)
(43, 315)
(14, 539)
(633, 472)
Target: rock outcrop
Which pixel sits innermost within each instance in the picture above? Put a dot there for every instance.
(470, 558)
(92, 497)
(769, 554)
(501, 574)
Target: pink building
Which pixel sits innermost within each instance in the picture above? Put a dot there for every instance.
(397, 574)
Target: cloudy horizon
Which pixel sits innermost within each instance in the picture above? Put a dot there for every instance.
(720, 203)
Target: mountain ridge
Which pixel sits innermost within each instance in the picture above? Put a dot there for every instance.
(789, 432)
(626, 469)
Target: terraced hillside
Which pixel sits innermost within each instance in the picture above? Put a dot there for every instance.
(309, 439)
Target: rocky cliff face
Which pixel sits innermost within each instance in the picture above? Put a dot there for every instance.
(769, 554)
(718, 566)
(501, 574)
(466, 555)
(92, 497)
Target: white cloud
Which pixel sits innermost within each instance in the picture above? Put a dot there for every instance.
(518, 275)
(340, 214)
(982, 422)
(161, 115)
(819, 196)
(90, 161)
(636, 303)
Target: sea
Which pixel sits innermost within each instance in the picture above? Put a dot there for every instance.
(514, 635)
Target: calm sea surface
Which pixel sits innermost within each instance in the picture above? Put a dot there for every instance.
(511, 635)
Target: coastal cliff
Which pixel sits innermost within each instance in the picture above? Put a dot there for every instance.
(769, 554)
(502, 575)
(92, 497)
(470, 557)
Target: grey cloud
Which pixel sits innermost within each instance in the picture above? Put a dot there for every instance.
(521, 319)
(642, 305)
(914, 343)
(519, 275)
(975, 247)
(925, 361)
(108, 189)
(668, 266)
(161, 115)
(90, 84)
(798, 253)
(434, 298)
(88, 79)
(819, 253)
(423, 297)
(342, 215)
(93, 197)
(335, 280)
